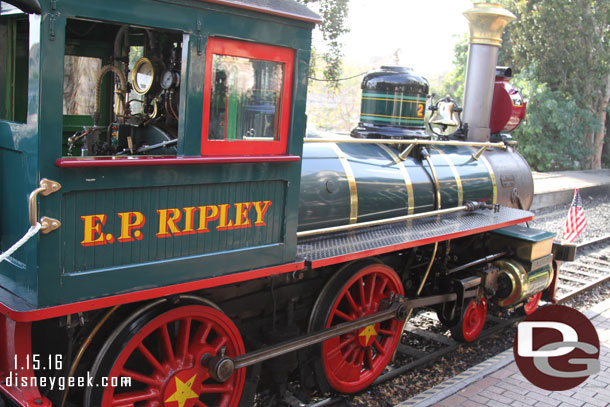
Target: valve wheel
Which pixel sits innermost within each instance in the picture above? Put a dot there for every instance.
(532, 303)
(472, 321)
(163, 353)
(353, 361)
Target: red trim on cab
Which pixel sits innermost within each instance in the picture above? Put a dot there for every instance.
(140, 161)
(222, 46)
(52, 312)
(382, 250)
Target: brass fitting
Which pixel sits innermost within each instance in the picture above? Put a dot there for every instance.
(487, 22)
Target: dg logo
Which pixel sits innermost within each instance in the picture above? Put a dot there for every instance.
(557, 348)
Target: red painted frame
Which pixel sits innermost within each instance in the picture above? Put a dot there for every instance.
(223, 46)
(144, 161)
(89, 305)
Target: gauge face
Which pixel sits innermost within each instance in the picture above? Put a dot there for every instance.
(142, 76)
(167, 80)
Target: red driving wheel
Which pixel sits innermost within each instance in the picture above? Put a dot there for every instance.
(472, 322)
(353, 361)
(532, 303)
(162, 355)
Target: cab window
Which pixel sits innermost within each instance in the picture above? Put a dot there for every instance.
(246, 98)
(14, 65)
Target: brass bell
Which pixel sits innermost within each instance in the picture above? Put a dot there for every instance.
(445, 114)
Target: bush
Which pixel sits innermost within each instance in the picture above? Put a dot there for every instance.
(554, 134)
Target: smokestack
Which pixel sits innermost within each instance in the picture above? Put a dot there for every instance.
(487, 22)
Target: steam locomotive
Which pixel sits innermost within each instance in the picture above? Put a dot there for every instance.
(187, 242)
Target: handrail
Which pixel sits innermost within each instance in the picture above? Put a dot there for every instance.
(407, 142)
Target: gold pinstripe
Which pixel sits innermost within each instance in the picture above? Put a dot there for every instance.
(491, 175)
(456, 175)
(405, 176)
(351, 180)
(395, 100)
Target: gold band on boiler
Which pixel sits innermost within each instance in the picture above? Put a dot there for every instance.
(405, 176)
(351, 180)
(456, 174)
(494, 199)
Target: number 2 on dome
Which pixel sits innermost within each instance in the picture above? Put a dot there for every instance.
(420, 110)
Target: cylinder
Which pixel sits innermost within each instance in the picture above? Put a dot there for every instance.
(516, 284)
(487, 23)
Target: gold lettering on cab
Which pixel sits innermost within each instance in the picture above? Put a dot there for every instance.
(176, 222)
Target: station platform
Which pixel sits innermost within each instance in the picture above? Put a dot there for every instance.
(497, 382)
(557, 188)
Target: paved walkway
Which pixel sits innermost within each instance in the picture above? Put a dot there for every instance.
(555, 188)
(498, 382)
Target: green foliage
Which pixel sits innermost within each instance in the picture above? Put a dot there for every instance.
(569, 42)
(566, 45)
(334, 15)
(553, 137)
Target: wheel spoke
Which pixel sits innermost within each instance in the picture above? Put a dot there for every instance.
(128, 399)
(386, 332)
(166, 345)
(151, 359)
(373, 280)
(183, 337)
(141, 378)
(202, 333)
(369, 358)
(378, 347)
(341, 346)
(343, 315)
(361, 288)
(359, 358)
(219, 343)
(384, 284)
(216, 388)
(344, 360)
(351, 301)
(199, 403)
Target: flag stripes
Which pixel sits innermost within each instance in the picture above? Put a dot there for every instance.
(576, 221)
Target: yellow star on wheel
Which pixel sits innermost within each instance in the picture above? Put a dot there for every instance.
(183, 391)
(368, 332)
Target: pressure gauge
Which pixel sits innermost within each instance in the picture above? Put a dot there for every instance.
(143, 76)
(170, 79)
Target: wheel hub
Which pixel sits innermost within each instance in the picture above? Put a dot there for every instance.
(182, 389)
(367, 335)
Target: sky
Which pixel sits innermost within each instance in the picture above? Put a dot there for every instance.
(424, 30)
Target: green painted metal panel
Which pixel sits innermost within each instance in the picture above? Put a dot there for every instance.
(381, 185)
(172, 224)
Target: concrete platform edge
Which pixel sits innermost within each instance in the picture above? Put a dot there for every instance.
(478, 372)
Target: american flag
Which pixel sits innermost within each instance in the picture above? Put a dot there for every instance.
(577, 220)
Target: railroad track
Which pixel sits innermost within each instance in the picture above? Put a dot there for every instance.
(425, 339)
(590, 269)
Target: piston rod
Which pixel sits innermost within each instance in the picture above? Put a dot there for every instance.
(221, 367)
(394, 311)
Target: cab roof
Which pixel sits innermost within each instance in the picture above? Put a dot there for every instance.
(284, 8)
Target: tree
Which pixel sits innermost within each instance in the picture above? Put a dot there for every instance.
(334, 15)
(566, 45)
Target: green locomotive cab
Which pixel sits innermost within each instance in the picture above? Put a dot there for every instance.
(173, 133)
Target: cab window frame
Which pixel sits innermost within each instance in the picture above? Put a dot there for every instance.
(254, 51)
